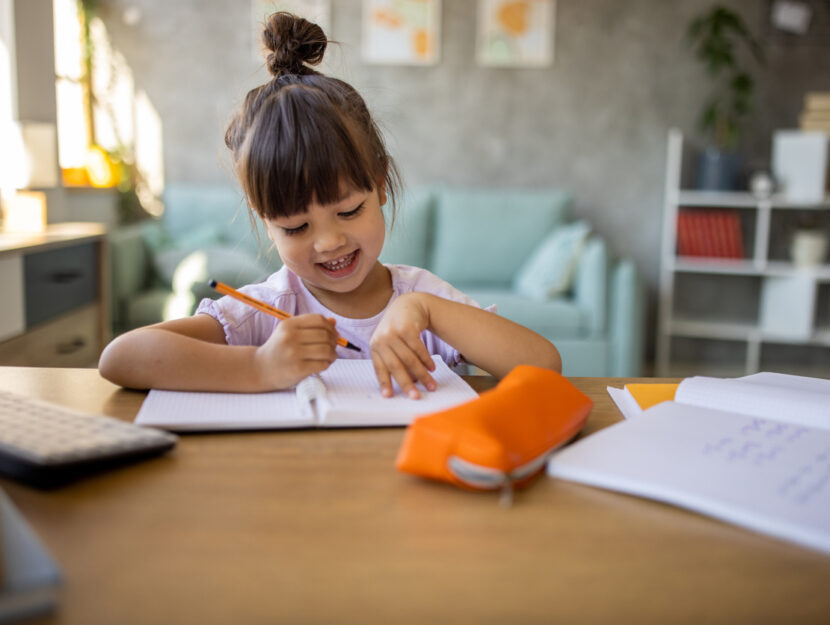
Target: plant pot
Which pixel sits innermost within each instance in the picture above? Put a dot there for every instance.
(718, 170)
(808, 248)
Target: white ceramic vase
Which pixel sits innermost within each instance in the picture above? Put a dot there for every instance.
(808, 247)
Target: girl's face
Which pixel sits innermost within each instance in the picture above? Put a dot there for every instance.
(333, 247)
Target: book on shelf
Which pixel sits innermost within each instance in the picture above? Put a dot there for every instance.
(815, 122)
(752, 451)
(710, 234)
(816, 113)
(817, 101)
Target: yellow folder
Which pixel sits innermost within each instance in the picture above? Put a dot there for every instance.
(648, 395)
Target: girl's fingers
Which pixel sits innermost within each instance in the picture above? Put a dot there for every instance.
(382, 374)
(421, 352)
(402, 364)
(417, 361)
(319, 351)
(402, 377)
(311, 336)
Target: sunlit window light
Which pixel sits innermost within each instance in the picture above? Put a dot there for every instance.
(71, 128)
(149, 156)
(108, 131)
(112, 83)
(72, 120)
(6, 82)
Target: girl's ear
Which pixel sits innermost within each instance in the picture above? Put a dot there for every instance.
(382, 191)
(268, 231)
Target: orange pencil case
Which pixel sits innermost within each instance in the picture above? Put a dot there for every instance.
(501, 439)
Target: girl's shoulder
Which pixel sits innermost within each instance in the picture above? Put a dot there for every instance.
(408, 279)
(280, 289)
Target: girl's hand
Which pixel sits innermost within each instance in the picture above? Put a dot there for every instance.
(298, 347)
(397, 350)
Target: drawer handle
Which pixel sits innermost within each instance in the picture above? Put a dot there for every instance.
(62, 277)
(72, 346)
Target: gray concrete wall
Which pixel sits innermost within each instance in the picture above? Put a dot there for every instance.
(595, 122)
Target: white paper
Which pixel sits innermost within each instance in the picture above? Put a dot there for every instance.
(765, 475)
(183, 411)
(351, 398)
(782, 397)
(625, 402)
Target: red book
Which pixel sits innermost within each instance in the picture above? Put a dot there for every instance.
(721, 241)
(697, 234)
(735, 236)
(684, 243)
(708, 237)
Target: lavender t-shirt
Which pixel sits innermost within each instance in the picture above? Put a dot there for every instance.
(244, 325)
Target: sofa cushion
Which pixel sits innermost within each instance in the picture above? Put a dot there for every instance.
(188, 207)
(408, 239)
(483, 236)
(154, 305)
(550, 269)
(555, 318)
(190, 270)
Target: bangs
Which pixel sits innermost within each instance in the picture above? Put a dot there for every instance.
(302, 147)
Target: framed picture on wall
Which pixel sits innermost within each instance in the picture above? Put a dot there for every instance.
(401, 32)
(515, 33)
(317, 11)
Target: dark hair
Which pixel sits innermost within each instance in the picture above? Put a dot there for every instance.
(302, 135)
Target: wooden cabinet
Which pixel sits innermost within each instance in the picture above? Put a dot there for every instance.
(753, 311)
(56, 312)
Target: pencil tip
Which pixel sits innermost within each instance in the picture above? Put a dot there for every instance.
(350, 345)
(212, 283)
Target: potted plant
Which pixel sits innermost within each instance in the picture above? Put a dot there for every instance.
(715, 38)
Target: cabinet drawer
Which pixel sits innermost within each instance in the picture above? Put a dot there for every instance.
(69, 341)
(60, 280)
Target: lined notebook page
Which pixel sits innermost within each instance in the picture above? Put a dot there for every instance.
(183, 411)
(778, 396)
(353, 396)
(769, 476)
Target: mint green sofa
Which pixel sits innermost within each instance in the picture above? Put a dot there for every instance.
(480, 240)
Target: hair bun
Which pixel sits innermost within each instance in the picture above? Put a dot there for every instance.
(293, 43)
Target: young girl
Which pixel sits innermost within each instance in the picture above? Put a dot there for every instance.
(313, 166)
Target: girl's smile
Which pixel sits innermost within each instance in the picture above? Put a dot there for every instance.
(341, 267)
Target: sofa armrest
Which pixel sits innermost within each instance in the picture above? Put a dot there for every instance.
(130, 265)
(591, 285)
(626, 322)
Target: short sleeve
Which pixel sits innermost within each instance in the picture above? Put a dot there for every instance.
(242, 324)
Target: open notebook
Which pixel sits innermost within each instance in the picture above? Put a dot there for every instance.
(753, 451)
(344, 395)
(767, 395)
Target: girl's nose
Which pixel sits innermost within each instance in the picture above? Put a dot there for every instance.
(329, 239)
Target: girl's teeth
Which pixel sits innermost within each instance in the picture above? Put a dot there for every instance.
(339, 263)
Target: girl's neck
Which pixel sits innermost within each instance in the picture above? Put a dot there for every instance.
(366, 301)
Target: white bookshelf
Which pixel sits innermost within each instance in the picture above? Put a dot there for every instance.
(766, 284)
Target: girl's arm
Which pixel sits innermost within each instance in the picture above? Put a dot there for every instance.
(191, 354)
(486, 340)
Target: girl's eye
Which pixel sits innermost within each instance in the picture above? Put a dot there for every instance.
(351, 213)
(293, 231)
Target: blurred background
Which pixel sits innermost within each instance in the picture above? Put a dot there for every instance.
(145, 89)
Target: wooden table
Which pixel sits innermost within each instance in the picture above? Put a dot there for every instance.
(319, 527)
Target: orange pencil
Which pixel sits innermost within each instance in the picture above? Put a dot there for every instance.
(266, 308)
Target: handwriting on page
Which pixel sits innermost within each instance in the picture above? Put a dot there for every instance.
(763, 444)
